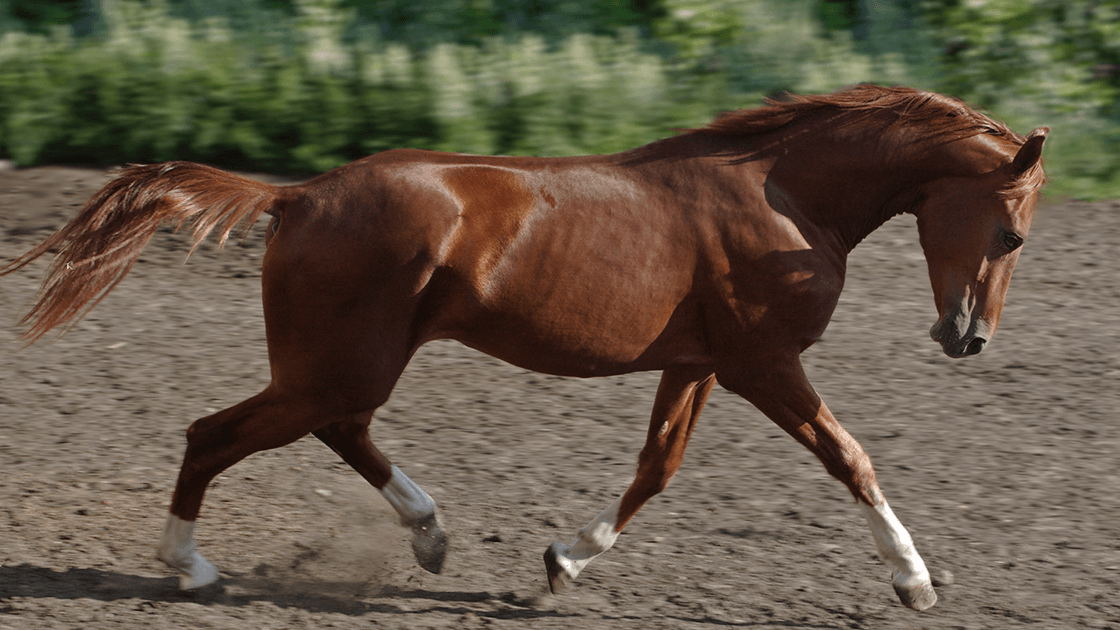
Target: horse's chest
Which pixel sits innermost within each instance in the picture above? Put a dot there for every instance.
(787, 295)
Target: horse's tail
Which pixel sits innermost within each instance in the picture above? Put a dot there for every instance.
(97, 248)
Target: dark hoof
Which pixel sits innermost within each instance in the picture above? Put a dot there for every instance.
(558, 578)
(429, 545)
(921, 597)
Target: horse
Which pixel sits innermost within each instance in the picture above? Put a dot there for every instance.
(716, 255)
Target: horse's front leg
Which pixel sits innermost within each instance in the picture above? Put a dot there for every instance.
(784, 394)
(680, 398)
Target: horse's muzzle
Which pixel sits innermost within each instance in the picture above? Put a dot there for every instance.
(956, 345)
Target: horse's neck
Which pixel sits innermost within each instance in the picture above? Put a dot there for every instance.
(842, 196)
(851, 187)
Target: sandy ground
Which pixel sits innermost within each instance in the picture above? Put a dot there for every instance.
(1003, 466)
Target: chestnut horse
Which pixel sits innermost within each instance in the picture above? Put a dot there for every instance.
(717, 255)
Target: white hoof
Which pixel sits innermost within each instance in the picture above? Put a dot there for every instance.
(196, 573)
(915, 592)
(559, 567)
(565, 562)
(178, 552)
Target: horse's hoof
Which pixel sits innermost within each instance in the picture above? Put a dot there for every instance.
(429, 545)
(558, 576)
(195, 573)
(920, 597)
(198, 580)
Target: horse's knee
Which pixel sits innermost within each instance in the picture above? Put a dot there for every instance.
(356, 428)
(852, 466)
(204, 430)
(655, 471)
(656, 483)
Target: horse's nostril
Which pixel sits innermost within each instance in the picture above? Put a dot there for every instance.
(975, 346)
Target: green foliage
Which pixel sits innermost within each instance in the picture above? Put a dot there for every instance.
(303, 85)
(1043, 62)
(762, 47)
(1030, 62)
(425, 23)
(44, 14)
(305, 96)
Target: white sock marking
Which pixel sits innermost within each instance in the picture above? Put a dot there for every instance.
(896, 547)
(177, 550)
(595, 538)
(408, 499)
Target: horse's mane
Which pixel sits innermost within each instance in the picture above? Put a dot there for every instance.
(873, 108)
(936, 114)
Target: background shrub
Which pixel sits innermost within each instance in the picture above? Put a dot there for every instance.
(305, 85)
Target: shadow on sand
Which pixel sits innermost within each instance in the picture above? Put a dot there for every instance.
(28, 581)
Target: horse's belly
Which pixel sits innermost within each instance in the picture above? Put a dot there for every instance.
(549, 357)
(572, 339)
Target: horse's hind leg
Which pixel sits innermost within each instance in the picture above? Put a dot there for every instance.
(215, 443)
(680, 398)
(416, 509)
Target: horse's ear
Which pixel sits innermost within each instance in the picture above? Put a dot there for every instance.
(1031, 151)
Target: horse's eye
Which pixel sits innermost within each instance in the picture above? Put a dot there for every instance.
(1012, 241)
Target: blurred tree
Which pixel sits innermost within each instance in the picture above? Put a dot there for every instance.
(41, 14)
(836, 15)
(700, 28)
(422, 23)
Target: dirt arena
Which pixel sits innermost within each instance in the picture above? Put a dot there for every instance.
(1003, 466)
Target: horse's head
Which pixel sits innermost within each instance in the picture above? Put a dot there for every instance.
(971, 229)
